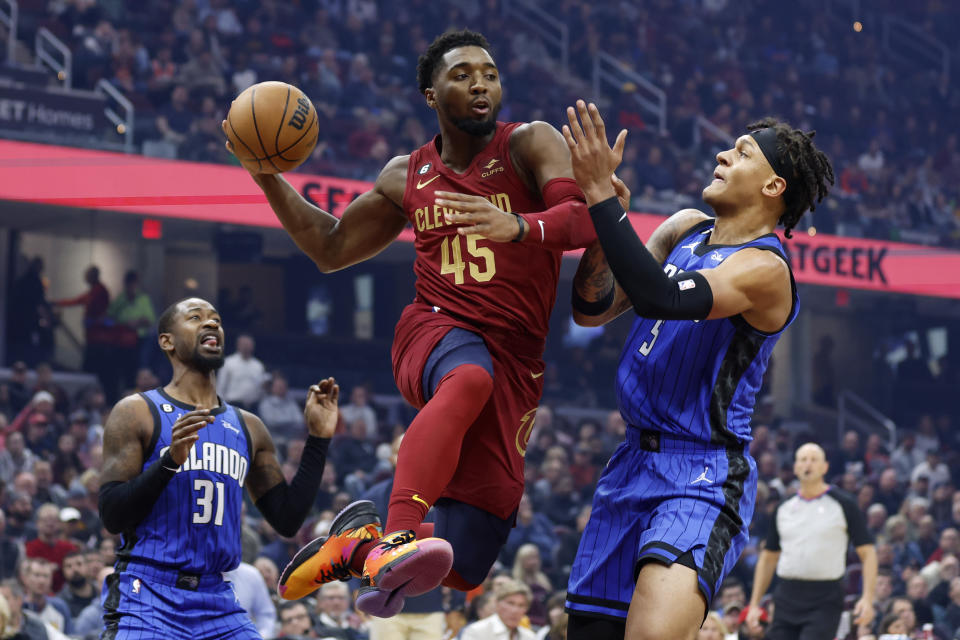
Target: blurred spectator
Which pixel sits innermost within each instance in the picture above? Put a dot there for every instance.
(295, 622)
(174, 119)
(278, 410)
(15, 458)
(19, 620)
(132, 308)
(49, 545)
(18, 393)
(254, 597)
(531, 528)
(30, 319)
(90, 620)
(933, 469)
(99, 337)
(906, 456)
(351, 452)
(902, 608)
(38, 578)
(917, 592)
(526, 570)
(888, 492)
(712, 628)
(359, 409)
(240, 381)
(334, 611)
(512, 602)
(78, 592)
(45, 383)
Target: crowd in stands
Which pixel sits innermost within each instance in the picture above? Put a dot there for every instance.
(54, 552)
(883, 120)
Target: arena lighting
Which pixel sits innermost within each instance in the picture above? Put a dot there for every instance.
(159, 188)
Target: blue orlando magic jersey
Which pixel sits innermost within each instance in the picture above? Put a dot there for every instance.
(697, 379)
(194, 527)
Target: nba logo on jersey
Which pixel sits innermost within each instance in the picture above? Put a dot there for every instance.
(424, 169)
(136, 586)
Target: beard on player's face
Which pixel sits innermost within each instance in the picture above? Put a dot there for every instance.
(204, 363)
(478, 128)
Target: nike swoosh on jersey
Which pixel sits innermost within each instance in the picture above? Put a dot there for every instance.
(535, 375)
(421, 185)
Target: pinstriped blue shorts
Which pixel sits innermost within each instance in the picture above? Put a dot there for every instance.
(142, 605)
(662, 499)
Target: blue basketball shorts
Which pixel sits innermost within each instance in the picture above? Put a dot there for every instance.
(146, 603)
(662, 499)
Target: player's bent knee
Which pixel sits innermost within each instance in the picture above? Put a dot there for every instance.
(470, 379)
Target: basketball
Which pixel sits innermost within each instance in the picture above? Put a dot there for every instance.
(273, 124)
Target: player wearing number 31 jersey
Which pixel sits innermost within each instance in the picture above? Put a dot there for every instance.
(493, 206)
(176, 463)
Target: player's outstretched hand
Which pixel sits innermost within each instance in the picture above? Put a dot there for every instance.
(592, 157)
(321, 408)
(184, 433)
(252, 167)
(478, 215)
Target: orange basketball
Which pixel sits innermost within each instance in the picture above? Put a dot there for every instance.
(274, 125)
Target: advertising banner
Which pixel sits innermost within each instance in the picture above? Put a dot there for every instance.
(90, 179)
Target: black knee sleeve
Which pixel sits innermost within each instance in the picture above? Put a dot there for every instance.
(581, 627)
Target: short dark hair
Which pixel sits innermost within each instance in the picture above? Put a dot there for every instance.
(812, 170)
(165, 321)
(130, 277)
(427, 64)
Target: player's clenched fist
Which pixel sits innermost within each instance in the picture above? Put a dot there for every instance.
(184, 433)
(321, 408)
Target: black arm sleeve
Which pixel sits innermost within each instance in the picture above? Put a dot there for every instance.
(286, 506)
(685, 296)
(124, 505)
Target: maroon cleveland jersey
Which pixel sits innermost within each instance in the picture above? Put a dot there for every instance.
(501, 285)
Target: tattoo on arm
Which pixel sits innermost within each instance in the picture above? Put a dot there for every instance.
(666, 236)
(594, 279)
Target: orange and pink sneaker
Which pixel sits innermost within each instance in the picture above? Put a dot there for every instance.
(398, 566)
(328, 557)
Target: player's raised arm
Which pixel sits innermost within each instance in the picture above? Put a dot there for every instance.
(126, 494)
(597, 298)
(369, 223)
(286, 506)
(742, 282)
(542, 159)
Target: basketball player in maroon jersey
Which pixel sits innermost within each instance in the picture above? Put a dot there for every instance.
(493, 205)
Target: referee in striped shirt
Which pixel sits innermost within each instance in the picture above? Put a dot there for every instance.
(807, 546)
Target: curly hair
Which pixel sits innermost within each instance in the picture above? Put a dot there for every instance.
(812, 170)
(430, 59)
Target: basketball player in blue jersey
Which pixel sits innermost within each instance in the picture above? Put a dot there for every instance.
(176, 461)
(712, 295)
